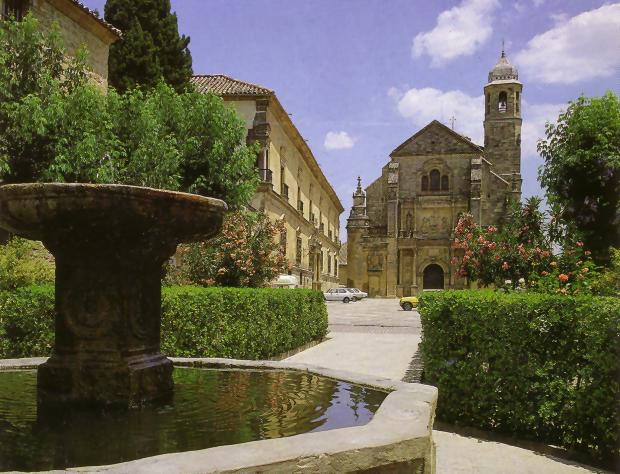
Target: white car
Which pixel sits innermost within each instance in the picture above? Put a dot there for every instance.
(359, 294)
(340, 294)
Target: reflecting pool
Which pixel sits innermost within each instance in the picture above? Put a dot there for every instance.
(210, 408)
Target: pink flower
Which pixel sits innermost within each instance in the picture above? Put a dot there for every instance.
(505, 266)
(491, 229)
(563, 278)
(580, 244)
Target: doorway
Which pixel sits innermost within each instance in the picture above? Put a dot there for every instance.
(433, 277)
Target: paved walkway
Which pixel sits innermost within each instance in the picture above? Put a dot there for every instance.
(376, 337)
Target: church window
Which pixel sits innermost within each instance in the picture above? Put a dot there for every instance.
(488, 104)
(445, 183)
(518, 139)
(435, 180)
(503, 102)
(15, 8)
(424, 183)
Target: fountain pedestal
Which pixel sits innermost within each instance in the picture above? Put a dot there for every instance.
(110, 243)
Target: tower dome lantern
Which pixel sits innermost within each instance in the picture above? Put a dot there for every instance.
(503, 70)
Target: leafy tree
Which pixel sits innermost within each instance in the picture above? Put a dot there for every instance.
(63, 128)
(581, 172)
(32, 66)
(246, 253)
(151, 47)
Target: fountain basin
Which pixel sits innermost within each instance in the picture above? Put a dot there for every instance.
(397, 439)
(110, 243)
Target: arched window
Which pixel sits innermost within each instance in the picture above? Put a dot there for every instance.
(503, 102)
(435, 180)
(424, 183)
(488, 103)
(445, 183)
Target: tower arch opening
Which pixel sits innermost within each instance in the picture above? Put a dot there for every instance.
(502, 104)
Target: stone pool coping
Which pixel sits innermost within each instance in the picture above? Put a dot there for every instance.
(397, 439)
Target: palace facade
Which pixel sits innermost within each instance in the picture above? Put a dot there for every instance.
(293, 187)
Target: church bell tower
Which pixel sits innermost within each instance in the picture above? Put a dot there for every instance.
(502, 122)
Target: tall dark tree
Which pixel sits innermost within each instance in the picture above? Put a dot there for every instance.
(151, 47)
(581, 173)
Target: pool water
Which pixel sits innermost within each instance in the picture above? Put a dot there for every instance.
(209, 408)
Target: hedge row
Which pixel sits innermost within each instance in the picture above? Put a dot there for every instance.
(535, 366)
(242, 323)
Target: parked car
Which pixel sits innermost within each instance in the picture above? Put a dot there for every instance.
(340, 294)
(359, 294)
(408, 302)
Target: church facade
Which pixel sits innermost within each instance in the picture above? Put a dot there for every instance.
(400, 228)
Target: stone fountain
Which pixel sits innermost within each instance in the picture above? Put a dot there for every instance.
(110, 243)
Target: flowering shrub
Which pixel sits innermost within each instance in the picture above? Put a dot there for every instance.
(520, 253)
(246, 253)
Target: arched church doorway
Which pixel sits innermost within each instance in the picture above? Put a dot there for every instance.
(433, 277)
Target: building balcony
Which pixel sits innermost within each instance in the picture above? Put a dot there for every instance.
(265, 175)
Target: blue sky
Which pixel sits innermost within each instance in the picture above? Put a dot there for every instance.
(361, 76)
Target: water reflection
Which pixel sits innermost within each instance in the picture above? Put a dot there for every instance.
(210, 408)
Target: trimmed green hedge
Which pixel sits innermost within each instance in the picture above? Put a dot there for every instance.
(244, 323)
(536, 366)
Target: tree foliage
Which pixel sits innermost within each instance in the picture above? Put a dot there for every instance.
(245, 254)
(63, 128)
(151, 48)
(581, 173)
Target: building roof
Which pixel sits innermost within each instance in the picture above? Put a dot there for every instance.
(503, 70)
(447, 141)
(96, 16)
(220, 84)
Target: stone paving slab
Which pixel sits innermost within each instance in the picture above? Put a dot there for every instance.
(376, 337)
(458, 454)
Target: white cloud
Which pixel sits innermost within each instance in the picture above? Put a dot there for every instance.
(338, 141)
(422, 106)
(576, 49)
(460, 31)
(533, 129)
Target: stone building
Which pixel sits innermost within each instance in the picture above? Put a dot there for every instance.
(292, 187)
(400, 229)
(78, 25)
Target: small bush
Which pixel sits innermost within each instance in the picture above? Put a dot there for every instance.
(238, 323)
(27, 322)
(535, 366)
(23, 263)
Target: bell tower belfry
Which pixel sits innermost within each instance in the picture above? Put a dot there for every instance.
(502, 122)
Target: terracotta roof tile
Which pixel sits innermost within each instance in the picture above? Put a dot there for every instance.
(92, 13)
(220, 84)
